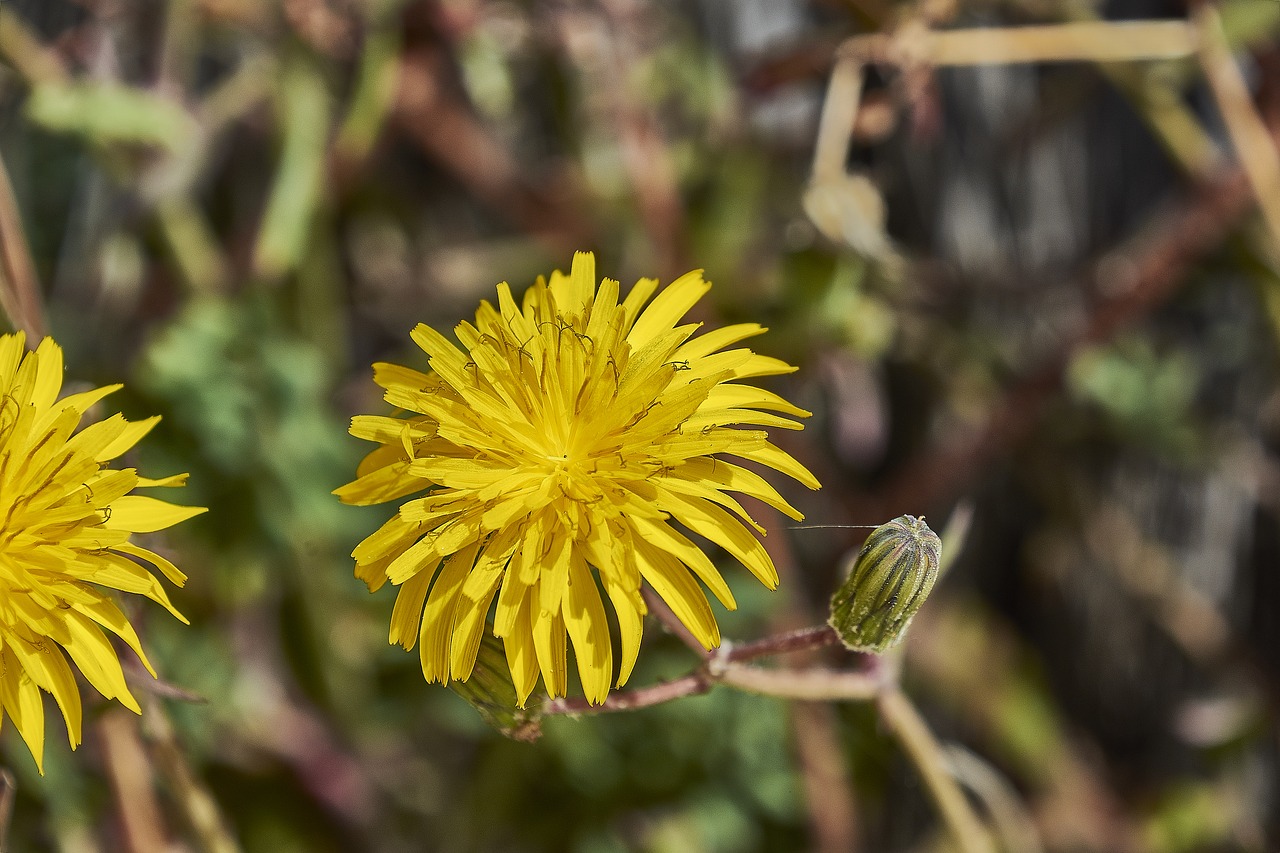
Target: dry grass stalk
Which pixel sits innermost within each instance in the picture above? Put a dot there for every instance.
(1249, 135)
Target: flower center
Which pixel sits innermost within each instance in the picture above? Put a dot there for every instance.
(572, 477)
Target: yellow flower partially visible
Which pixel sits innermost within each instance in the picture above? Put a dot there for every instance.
(569, 434)
(65, 524)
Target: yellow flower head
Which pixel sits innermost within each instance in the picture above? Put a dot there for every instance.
(65, 524)
(567, 434)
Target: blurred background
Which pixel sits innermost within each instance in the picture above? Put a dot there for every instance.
(1039, 291)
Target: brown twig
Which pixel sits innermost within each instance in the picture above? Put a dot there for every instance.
(449, 134)
(726, 665)
(128, 767)
(8, 790)
(805, 62)
(799, 640)
(19, 290)
(830, 801)
(693, 684)
(819, 684)
(195, 801)
(1253, 143)
(1159, 263)
(144, 682)
(646, 156)
(828, 792)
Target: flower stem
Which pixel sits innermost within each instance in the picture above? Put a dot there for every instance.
(926, 753)
(693, 684)
(802, 639)
(806, 685)
(817, 684)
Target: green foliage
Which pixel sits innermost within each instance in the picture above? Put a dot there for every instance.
(1147, 396)
(104, 113)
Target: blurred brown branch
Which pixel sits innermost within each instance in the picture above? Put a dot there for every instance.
(8, 791)
(194, 799)
(19, 289)
(1254, 144)
(1159, 261)
(902, 718)
(727, 665)
(449, 133)
(816, 684)
(831, 800)
(1075, 807)
(128, 767)
(608, 47)
(179, 220)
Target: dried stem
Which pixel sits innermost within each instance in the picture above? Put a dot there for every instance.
(195, 801)
(431, 115)
(129, 770)
(927, 754)
(19, 290)
(829, 794)
(806, 685)
(1249, 135)
(33, 61)
(831, 800)
(144, 682)
(815, 684)
(839, 109)
(1079, 41)
(1093, 41)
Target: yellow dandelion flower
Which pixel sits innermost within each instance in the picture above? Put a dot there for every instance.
(567, 434)
(65, 524)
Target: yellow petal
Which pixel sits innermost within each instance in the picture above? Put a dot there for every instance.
(549, 637)
(406, 615)
(673, 583)
(139, 514)
(671, 541)
(780, 460)
(438, 618)
(131, 435)
(588, 627)
(669, 306)
(521, 656)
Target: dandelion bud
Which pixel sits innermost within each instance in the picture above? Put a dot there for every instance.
(491, 692)
(891, 578)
